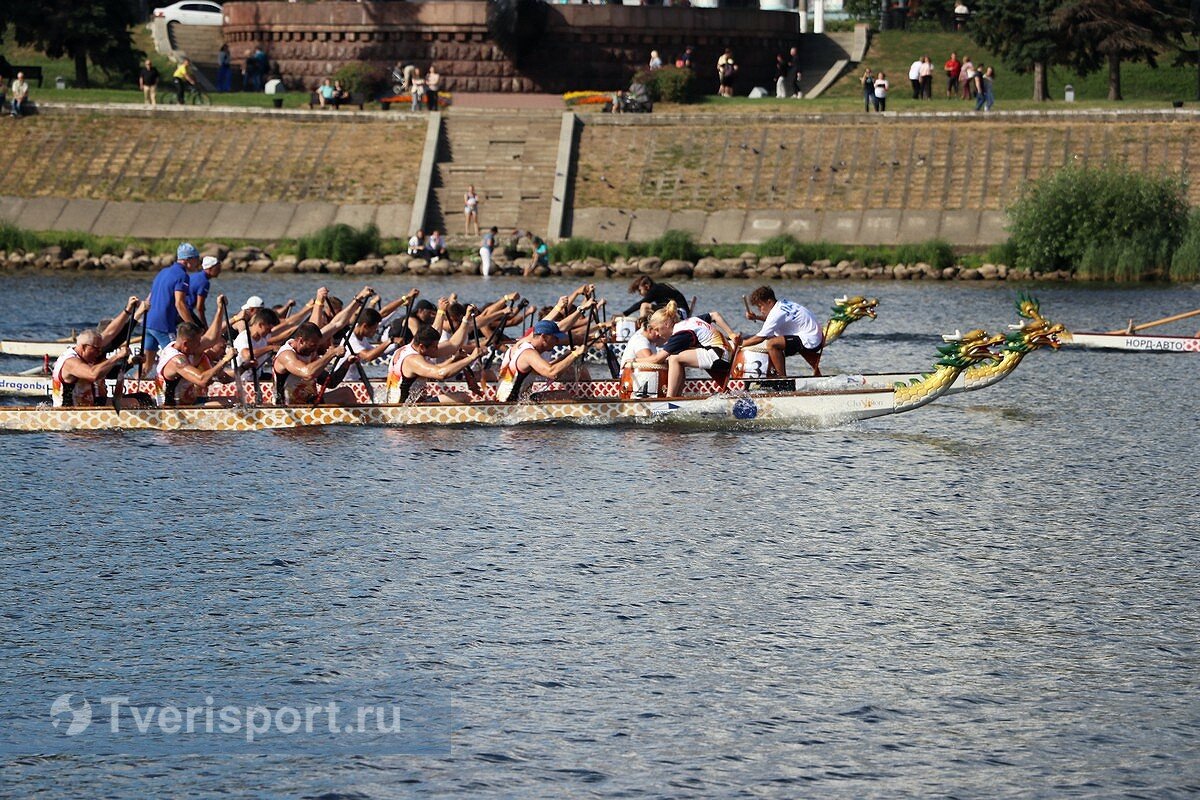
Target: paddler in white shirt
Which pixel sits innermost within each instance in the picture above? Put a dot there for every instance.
(78, 375)
(183, 368)
(638, 348)
(789, 329)
(411, 367)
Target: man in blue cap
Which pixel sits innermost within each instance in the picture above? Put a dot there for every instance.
(524, 357)
(169, 303)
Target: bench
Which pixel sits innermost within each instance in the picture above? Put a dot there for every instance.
(31, 74)
(355, 100)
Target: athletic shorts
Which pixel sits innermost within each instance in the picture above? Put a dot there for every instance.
(157, 340)
(792, 346)
(707, 357)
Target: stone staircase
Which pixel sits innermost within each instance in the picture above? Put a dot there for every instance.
(509, 157)
(821, 52)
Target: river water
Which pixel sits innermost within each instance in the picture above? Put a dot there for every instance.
(997, 595)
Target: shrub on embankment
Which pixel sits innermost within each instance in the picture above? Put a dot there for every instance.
(1107, 223)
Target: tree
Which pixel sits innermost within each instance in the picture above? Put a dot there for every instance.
(1107, 32)
(1022, 33)
(1191, 54)
(95, 31)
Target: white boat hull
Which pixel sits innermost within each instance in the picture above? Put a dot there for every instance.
(1134, 342)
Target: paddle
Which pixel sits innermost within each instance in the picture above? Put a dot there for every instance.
(361, 302)
(469, 372)
(614, 364)
(1174, 318)
(737, 346)
(253, 364)
(362, 373)
(119, 385)
(749, 314)
(237, 375)
(142, 353)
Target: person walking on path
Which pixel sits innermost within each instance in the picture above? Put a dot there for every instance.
(471, 212)
(983, 91)
(881, 91)
(148, 82)
(418, 90)
(868, 88)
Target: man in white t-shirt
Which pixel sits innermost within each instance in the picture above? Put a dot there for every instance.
(789, 329)
(914, 77)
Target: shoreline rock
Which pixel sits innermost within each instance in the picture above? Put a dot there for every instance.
(747, 266)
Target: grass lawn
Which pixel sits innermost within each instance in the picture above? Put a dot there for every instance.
(894, 51)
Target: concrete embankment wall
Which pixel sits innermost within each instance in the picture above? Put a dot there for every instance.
(263, 175)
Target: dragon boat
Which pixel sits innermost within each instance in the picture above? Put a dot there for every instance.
(1133, 340)
(1036, 332)
(813, 408)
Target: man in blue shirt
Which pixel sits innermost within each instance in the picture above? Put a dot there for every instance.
(169, 303)
(198, 287)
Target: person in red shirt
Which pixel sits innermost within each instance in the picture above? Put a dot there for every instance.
(953, 70)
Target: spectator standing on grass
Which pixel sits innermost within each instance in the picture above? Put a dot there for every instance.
(953, 69)
(926, 78)
(881, 91)
(655, 60)
(726, 70)
(224, 69)
(868, 88)
(914, 77)
(148, 82)
(983, 89)
(966, 78)
(781, 73)
(3, 90)
(418, 90)
(485, 251)
(433, 82)
(794, 74)
(20, 94)
(262, 67)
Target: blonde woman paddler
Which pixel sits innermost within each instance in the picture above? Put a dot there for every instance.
(694, 342)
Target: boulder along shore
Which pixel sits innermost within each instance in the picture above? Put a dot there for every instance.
(748, 266)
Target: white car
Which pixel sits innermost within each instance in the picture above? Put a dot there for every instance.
(191, 12)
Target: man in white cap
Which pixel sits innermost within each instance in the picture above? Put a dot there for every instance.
(198, 283)
(169, 303)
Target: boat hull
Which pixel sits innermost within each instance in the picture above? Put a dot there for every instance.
(1135, 342)
(817, 409)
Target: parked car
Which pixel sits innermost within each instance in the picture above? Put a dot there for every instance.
(191, 12)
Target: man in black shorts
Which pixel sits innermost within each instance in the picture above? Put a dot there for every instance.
(789, 329)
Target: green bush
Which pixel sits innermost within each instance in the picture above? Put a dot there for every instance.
(674, 245)
(1129, 221)
(359, 77)
(669, 84)
(339, 243)
(1185, 263)
(14, 238)
(578, 248)
(935, 252)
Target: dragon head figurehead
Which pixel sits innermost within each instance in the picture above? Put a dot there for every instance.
(851, 309)
(964, 349)
(1036, 332)
(847, 310)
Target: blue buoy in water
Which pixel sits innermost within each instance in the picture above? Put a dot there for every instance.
(744, 408)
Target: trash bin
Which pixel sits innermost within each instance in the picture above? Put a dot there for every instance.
(275, 90)
(60, 82)
(1070, 93)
